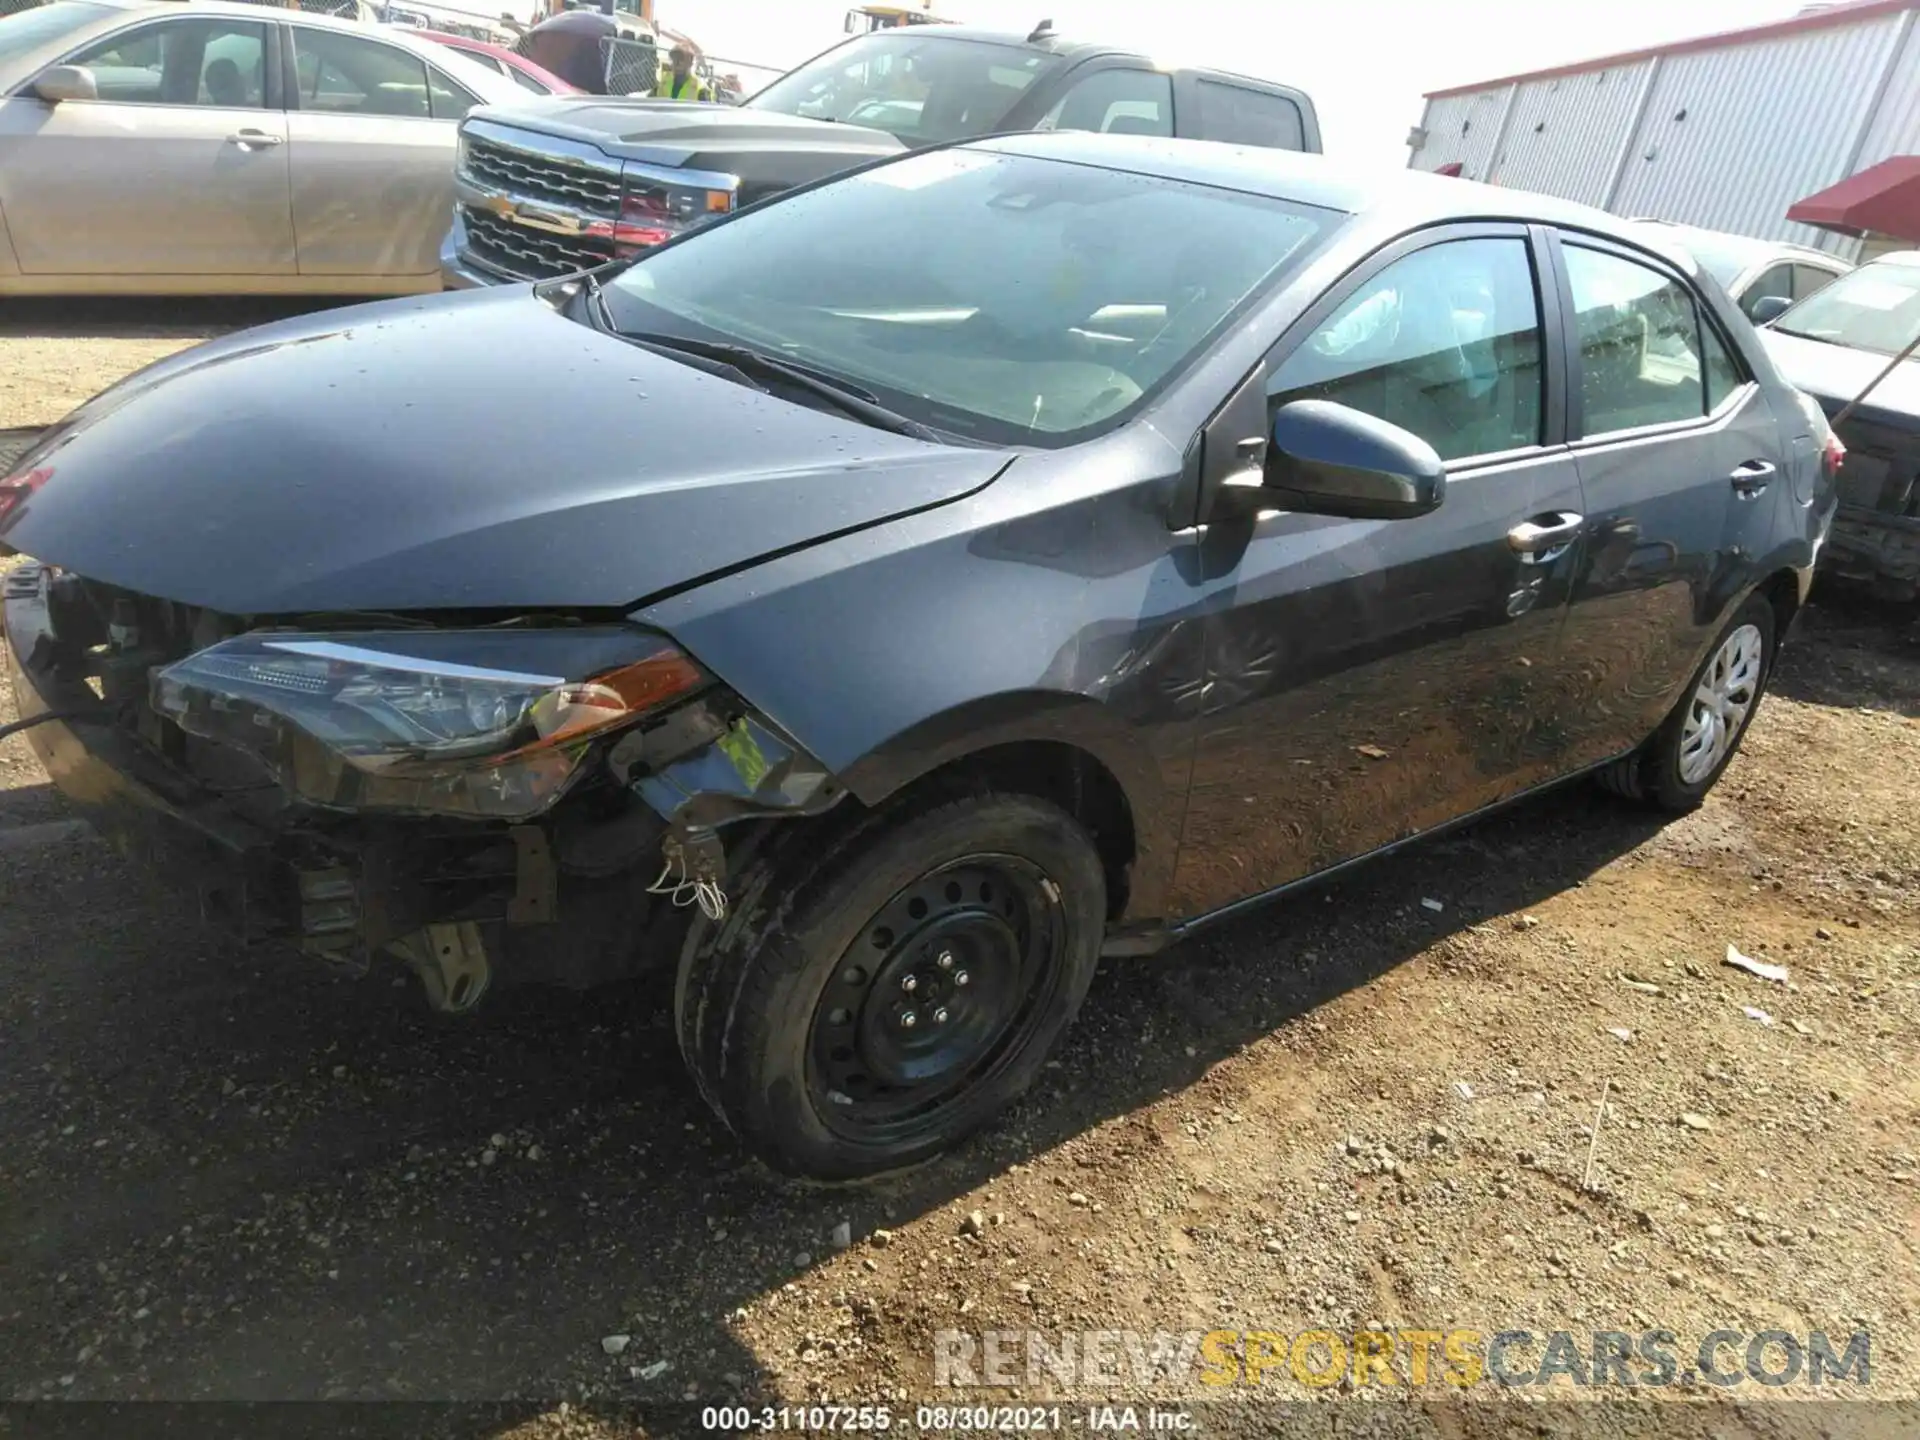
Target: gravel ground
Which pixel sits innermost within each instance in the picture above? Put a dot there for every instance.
(237, 1177)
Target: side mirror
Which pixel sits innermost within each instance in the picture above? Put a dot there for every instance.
(1329, 459)
(1769, 308)
(66, 82)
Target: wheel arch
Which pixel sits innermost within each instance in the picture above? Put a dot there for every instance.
(1066, 749)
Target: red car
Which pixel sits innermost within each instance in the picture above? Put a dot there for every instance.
(499, 57)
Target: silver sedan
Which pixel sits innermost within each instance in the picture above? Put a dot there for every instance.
(208, 148)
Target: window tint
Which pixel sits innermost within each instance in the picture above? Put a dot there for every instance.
(448, 99)
(1120, 102)
(1639, 343)
(1249, 117)
(1809, 278)
(1723, 371)
(1445, 343)
(182, 62)
(525, 81)
(1777, 281)
(345, 75)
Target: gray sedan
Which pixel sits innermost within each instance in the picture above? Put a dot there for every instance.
(225, 148)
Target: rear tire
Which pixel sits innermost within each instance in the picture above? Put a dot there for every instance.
(875, 996)
(1676, 768)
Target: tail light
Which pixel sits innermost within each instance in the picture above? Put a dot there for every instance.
(1833, 455)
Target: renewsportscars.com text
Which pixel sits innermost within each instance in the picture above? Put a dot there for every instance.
(1214, 1359)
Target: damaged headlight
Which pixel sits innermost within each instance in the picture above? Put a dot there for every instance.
(483, 723)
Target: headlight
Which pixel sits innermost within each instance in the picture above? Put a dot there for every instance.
(484, 723)
(656, 204)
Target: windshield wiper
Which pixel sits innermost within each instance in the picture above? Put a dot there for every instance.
(848, 399)
(1808, 335)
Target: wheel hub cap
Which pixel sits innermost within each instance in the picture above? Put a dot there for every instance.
(1721, 703)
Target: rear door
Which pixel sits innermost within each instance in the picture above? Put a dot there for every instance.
(1683, 465)
(372, 131)
(179, 168)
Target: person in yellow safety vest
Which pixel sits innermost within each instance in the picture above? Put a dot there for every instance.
(679, 82)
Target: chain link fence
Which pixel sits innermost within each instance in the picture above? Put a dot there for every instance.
(14, 7)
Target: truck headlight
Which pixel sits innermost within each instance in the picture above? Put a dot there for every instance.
(657, 204)
(488, 724)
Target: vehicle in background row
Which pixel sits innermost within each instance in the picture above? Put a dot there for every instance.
(864, 19)
(873, 638)
(506, 61)
(205, 148)
(1762, 276)
(1833, 346)
(554, 191)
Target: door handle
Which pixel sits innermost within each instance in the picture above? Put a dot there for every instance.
(1751, 478)
(1540, 540)
(247, 139)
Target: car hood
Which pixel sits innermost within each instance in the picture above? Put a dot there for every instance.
(469, 451)
(734, 139)
(1834, 374)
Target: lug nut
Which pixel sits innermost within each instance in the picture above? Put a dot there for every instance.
(940, 1016)
(908, 1019)
(959, 977)
(945, 961)
(910, 983)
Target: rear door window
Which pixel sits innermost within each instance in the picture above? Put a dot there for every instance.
(1115, 102)
(345, 75)
(1809, 278)
(1640, 344)
(1241, 116)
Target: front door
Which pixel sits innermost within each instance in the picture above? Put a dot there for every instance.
(373, 139)
(1368, 680)
(1682, 462)
(179, 168)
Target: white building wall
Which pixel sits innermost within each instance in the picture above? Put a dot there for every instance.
(1565, 134)
(1767, 122)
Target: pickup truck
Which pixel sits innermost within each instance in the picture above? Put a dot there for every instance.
(556, 186)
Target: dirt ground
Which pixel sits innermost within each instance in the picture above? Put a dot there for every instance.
(236, 1177)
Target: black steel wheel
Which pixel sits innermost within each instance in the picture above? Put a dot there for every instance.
(938, 988)
(875, 998)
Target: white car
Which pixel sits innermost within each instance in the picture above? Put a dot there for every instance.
(210, 148)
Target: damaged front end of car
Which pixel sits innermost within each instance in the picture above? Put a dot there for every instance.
(487, 801)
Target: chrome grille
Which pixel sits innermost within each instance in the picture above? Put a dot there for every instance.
(528, 254)
(578, 187)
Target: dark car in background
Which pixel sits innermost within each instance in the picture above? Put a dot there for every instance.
(872, 639)
(1834, 346)
(549, 190)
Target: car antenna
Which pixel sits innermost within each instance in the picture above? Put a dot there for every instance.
(1874, 384)
(1042, 31)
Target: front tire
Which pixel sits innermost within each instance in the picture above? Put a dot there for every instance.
(1677, 767)
(872, 1000)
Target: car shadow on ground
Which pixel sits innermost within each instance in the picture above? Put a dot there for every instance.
(237, 1177)
(1853, 652)
(125, 317)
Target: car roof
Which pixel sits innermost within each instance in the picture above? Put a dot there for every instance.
(1745, 245)
(1049, 44)
(1316, 180)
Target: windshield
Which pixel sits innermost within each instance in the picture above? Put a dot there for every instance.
(1876, 307)
(996, 297)
(30, 29)
(925, 89)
